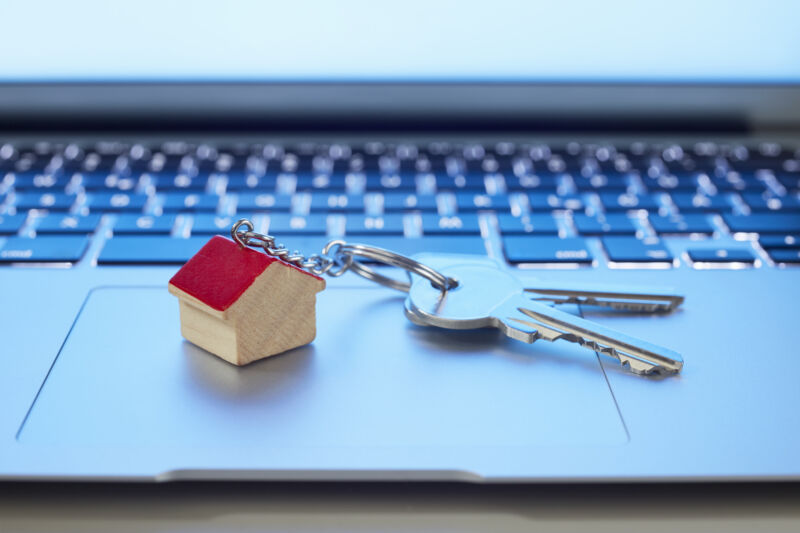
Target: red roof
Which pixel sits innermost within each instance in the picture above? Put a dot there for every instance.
(222, 271)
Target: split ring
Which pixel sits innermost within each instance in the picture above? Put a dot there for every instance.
(385, 257)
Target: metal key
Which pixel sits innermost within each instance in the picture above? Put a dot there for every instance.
(487, 296)
(618, 297)
(622, 298)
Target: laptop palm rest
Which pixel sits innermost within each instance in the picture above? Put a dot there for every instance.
(126, 378)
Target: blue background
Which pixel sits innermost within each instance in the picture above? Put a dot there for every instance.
(413, 40)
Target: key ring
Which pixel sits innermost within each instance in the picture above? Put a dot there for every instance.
(386, 257)
(338, 257)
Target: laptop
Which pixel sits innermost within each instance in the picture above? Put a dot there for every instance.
(580, 143)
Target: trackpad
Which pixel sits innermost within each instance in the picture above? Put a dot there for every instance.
(126, 376)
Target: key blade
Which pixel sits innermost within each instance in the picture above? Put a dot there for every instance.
(624, 298)
(619, 297)
(640, 356)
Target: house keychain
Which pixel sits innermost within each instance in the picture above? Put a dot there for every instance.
(244, 305)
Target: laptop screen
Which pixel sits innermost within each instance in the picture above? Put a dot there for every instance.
(709, 41)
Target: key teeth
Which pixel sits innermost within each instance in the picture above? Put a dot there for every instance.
(644, 370)
(630, 363)
(641, 307)
(530, 336)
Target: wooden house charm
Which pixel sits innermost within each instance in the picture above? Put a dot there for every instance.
(242, 304)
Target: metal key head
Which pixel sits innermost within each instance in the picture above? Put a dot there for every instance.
(481, 291)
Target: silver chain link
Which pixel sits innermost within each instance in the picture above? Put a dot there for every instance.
(338, 257)
(333, 263)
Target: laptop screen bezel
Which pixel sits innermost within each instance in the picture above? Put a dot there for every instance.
(540, 105)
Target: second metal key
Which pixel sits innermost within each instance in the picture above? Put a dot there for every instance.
(488, 296)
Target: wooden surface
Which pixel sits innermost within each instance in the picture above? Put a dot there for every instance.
(277, 313)
(242, 305)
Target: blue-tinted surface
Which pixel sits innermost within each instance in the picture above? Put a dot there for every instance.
(508, 40)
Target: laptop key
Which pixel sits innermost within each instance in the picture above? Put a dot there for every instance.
(555, 202)
(736, 183)
(721, 255)
(389, 224)
(611, 224)
(470, 202)
(448, 244)
(44, 249)
(546, 249)
(285, 224)
(249, 201)
(49, 201)
(393, 202)
(64, 224)
(602, 182)
(672, 183)
(763, 203)
(391, 182)
(149, 250)
(624, 249)
(681, 224)
(699, 203)
(251, 182)
(180, 182)
(116, 202)
(208, 224)
(33, 181)
(763, 223)
(627, 201)
(176, 201)
(790, 181)
(128, 223)
(529, 183)
(103, 181)
(466, 224)
(786, 256)
(787, 241)
(454, 244)
(473, 183)
(337, 203)
(335, 183)
(10, 224)
(538, 224)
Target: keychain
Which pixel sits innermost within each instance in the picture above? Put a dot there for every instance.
(243, 305)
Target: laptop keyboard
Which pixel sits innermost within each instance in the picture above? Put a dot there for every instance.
(533, 204)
